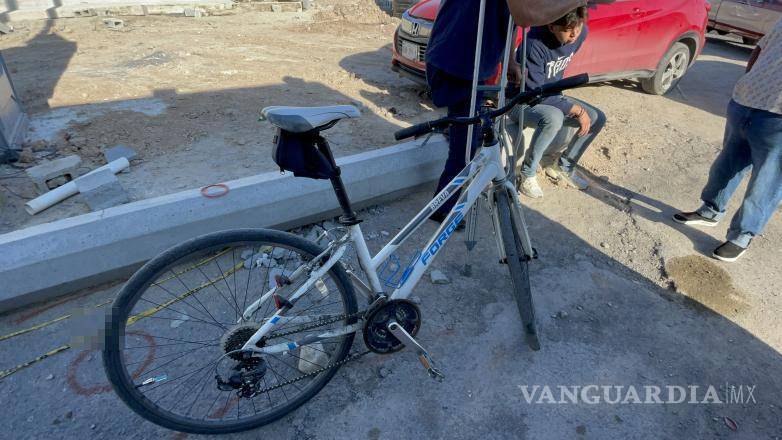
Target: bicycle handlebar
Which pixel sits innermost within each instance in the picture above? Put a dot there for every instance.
(525, 97)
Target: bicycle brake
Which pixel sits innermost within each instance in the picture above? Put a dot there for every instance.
(423, 355)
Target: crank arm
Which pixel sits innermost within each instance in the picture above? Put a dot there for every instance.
(423, 355)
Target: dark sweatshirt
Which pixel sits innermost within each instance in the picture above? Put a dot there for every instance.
(547, 60)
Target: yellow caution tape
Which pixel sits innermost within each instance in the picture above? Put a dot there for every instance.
(132, 320)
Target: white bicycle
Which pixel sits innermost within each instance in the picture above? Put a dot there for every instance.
(233, 330)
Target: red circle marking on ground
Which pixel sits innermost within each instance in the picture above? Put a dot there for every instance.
(81, 390)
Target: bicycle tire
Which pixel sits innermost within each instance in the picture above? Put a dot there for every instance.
(121, 380)
(519, 269)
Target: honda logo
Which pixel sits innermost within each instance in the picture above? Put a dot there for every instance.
(415, 29)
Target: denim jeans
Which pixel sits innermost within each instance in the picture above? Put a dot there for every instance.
(753, 141)
(553, 129)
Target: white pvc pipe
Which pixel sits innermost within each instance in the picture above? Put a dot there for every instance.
(61, 193)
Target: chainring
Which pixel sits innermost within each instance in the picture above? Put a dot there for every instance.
(378, 338)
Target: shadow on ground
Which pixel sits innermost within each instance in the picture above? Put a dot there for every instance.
(601, 323)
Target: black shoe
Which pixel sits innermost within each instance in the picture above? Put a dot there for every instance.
(439, 217)
(693, 218)
(729, 252)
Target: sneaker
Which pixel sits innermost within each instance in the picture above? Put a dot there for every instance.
(729, 252)
(693, 218)
(530, 187)
(572, 178)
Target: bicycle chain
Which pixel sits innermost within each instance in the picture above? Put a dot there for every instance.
(316, 324)
(327, 367)
(314, 373)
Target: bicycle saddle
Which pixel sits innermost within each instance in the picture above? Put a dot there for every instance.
(303, 119)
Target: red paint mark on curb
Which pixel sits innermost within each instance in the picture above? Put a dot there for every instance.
(209, 194)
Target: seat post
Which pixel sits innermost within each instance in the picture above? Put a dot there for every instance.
(348, 217)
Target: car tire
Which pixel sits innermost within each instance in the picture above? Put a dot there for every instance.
(749, 41)
(670, 71)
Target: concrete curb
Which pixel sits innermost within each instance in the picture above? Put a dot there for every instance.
(58, 258)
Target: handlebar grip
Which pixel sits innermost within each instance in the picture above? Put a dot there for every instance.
(565, 84)
(414, 131)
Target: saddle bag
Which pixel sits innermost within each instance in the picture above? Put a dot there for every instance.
(299, 154)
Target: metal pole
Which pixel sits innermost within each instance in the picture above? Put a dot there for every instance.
(472, 220)
(475, 74)
(523, 85)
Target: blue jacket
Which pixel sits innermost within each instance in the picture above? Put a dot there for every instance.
(547, 60)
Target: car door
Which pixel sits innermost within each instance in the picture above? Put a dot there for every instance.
(612, 38)
(658, 24)
(748, 16)
(773, 13)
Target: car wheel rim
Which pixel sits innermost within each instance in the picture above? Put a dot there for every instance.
(674, 70)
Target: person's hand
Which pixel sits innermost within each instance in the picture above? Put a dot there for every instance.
(585, 122)
(514, 71)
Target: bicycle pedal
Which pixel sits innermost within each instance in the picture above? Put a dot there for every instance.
(428, 363)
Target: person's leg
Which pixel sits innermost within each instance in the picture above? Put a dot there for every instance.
(455, 94)
(764, 193)
(729, 168)
(547, 122)
(579, 145)
(454, 164)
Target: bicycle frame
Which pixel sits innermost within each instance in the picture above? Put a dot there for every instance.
(482, 175)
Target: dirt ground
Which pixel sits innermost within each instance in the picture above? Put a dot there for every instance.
(624, 294)
(186, 93)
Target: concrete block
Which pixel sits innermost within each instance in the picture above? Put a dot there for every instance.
(276, 6)
(114, 153)
(54, 259)
(114, 24)
(101, 190)
(44, 174)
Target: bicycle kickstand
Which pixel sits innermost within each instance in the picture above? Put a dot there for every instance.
(423, 355)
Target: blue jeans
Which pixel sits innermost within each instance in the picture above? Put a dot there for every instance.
(753, 140)
(554, 129)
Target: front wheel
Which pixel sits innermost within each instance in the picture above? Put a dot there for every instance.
(172, 339)
(670, 71)
(519, 269)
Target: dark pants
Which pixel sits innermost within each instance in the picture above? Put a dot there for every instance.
(455, 94)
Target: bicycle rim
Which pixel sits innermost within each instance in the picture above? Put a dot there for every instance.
(175, 322)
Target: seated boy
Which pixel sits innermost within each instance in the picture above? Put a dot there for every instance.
(549, 51)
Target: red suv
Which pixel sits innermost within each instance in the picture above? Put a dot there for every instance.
(655, 41)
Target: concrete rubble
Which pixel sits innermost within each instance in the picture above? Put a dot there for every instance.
(45, 175)
(101, 190)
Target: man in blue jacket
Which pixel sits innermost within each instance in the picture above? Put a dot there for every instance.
(549, 52)
(450, 61)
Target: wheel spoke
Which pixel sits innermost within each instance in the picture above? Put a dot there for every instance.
(185, 353)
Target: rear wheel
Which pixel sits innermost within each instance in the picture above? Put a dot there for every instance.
(171, 341)
(519, 269)
(670, 71)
